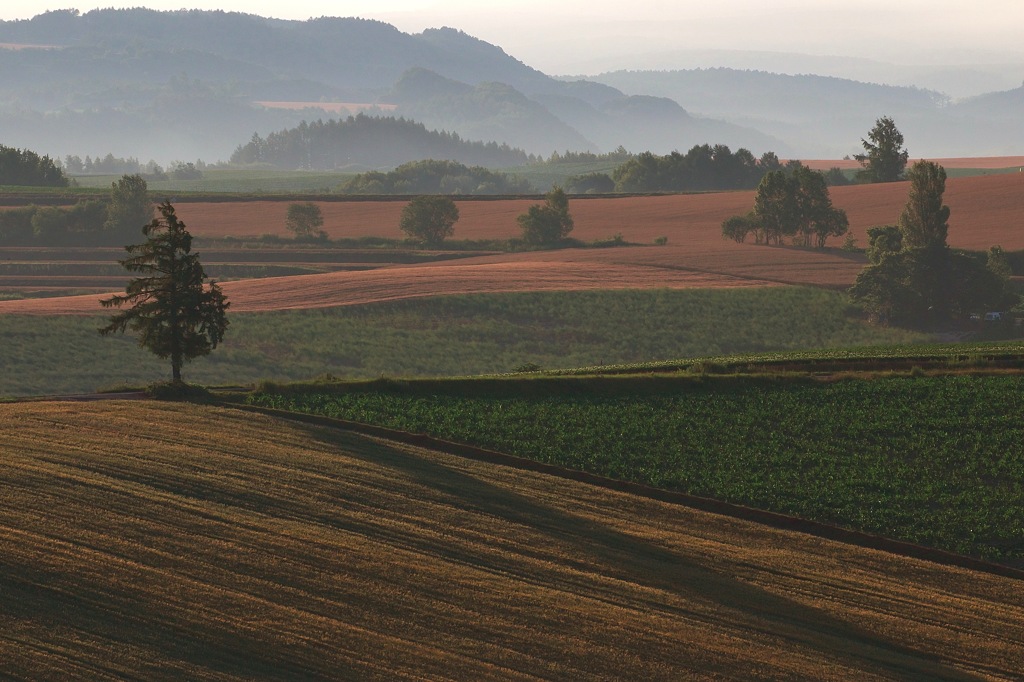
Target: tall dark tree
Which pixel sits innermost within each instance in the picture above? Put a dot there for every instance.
(884, 158)
(924, 218)
(775, 206)
(913, 277)
(174, 312)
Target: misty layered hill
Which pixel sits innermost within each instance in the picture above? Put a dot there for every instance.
(361, 142)
(189, 84)
(184, 84)
(822, 116)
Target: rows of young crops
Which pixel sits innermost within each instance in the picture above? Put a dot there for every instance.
(933, 460)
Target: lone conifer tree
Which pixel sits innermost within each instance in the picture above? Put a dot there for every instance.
(174, 313)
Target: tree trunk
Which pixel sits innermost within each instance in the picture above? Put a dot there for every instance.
(176, 369)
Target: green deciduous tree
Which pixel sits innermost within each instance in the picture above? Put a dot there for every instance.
(884, 158)
(175, 314)
(549, 223)
(129, 207)
(924, 218)
(913, 277)
(305, 220)
(25, 167)
(775, 206)
(429, 219)
(739, 226)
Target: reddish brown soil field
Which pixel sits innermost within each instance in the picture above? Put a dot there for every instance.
(985, 211)
(985, 162)
(554, 271)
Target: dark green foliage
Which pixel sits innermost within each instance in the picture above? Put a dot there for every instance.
(175, 315)
(702, 168)
(775, 207)
(739, 226)
(429, 219)
(884, 158)
(436, 177)
(998, 264)
(795, 202)
(305, 220)
(882, 240)
(16, 226)
(930, 460)
(130, 208)
(835, 177)
(913, 278)
(550, 223)
(25, 167)
(368, 141)
(590, 183)
(924, 218)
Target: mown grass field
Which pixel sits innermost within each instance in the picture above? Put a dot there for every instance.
(163, 541)
(933, 460)
(457, 335)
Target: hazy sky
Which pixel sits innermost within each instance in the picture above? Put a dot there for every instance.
(574, 36)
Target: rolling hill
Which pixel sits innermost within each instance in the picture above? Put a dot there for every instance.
(234, 546)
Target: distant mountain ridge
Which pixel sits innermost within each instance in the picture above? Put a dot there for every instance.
(181, 85)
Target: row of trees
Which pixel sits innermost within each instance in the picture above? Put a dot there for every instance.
(430, 219)
(24, 167)
(88, 222)
(703, 167)
(793, 203)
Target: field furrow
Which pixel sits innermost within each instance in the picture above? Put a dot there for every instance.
(161, 541)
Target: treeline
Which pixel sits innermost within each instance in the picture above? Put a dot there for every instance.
(703, 167)
(90, 222)
(436, 177)
(369, 141)
(26, 168)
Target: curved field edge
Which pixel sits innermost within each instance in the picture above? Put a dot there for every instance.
(234, 546)
(444, 335)
(931, 460)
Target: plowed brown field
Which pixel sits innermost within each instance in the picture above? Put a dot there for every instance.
(651, 267)
(985, 210)
(236, 546)
(983, 162)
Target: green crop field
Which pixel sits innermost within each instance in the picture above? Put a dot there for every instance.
(457, 335)
(934, 460)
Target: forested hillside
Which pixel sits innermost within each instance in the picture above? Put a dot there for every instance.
(368, 142)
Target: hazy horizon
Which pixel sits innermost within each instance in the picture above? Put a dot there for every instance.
(576, 37)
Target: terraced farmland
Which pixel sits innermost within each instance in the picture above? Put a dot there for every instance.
(170, 541)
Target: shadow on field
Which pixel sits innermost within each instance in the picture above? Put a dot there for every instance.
(628, 557)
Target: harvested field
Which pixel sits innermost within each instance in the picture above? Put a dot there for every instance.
(983, 162)
(985, 211)
(295, 551)
(555, 271)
